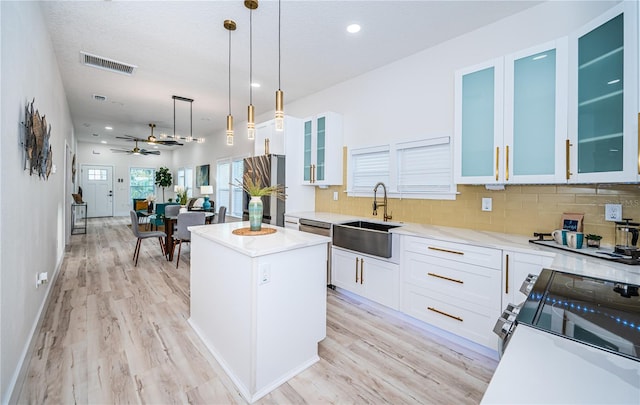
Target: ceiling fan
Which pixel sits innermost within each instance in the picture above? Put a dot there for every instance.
(151, 139)
(137, 151)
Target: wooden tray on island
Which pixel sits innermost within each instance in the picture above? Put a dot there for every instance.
(248, 232)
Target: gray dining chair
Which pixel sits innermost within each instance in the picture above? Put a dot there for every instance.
(172, 211)
(222, 215)
(135, 228)
(182, 234)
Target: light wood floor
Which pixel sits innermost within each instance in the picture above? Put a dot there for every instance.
(116, 334)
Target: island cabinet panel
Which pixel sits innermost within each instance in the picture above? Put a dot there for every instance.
(453, 286)
(260, 313)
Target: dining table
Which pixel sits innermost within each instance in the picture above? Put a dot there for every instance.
(169, 222)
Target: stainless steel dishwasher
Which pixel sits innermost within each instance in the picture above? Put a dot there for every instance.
(319, 228)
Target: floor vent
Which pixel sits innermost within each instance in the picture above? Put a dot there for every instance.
(106, 64)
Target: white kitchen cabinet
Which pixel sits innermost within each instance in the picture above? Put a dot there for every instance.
(603, 129)
(322, 150)
(374, 279)
(516, 267)
(270, 141)
(453, 286)
(291, 222)
(511, 118)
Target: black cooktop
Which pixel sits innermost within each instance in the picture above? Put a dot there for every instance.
(593, 311)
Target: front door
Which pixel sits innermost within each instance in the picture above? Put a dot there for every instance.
(97, 190)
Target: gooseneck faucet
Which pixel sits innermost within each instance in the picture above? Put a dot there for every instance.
(384, 201)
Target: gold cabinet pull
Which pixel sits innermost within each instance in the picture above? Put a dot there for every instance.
(313, 173)
(445, 278)
(361, 270)
(457, 318)
(446, 250)
(506, 278)
(266, 146)
(356, 270)
(497, 162)
(568, 145)
(506, 166)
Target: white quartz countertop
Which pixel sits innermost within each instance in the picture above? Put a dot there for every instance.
(282, 240)
(562, 260)
(541, 368)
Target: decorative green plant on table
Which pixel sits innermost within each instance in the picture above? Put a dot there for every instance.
(163, 179)
(182, 194)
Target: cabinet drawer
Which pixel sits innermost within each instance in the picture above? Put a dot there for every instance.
(461, 281)
(473, 323)
(479, 256)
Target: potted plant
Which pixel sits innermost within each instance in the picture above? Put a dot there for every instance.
(593, 240)
(253, 180)
(181, 198)
(163, 179)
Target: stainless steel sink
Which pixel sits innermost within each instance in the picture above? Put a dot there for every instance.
(366, 237)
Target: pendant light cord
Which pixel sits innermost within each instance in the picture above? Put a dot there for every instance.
(229, 72)
(174, 118)
(279, 52)
(250, 56)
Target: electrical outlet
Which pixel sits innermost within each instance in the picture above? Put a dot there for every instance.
(613, 212)
(265, 273)
(335, 196)
(486, 204)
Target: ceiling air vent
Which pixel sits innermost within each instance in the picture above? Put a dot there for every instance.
(98, 97)
(106, 64)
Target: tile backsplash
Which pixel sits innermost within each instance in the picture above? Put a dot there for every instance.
(519, 209)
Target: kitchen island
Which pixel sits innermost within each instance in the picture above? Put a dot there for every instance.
(259, 302)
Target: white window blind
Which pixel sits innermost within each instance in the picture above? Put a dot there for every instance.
(369, 166)
(425, 166)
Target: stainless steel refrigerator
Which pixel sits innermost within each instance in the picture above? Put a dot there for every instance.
(272, 168)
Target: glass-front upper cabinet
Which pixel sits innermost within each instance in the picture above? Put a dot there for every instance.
(603, 132)
(536, 114)
(478, 123)
(322, 151)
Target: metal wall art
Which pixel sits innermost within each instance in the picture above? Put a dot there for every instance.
(38, 157)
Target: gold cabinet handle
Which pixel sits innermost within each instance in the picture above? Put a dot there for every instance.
(506, 278)
(361, 270)
(445, 278)
(497, 162)
(356, 270)
(313, 173)
(446, 250)
(457, 318)
(506, 166)
(568, 145)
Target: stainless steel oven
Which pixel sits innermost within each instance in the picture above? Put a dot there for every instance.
(589, 310)
(319, 228)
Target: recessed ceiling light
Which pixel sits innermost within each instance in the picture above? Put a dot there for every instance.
(353, 28)
(103, 141)
(108, 128)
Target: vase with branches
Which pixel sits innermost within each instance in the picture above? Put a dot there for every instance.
(163, 179)
(253, 183)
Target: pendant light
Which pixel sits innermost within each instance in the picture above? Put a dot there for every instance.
(251, 124)
(230, 25)
(279, 95)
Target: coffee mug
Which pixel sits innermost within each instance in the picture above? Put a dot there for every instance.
(575, 239)
(560, 236)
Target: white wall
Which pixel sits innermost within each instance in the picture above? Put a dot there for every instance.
(98, 154)
(33, 212)
(414, 97)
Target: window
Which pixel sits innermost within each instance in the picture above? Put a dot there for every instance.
(141, 182)
(185, 179)
(228, 195)
(97, 174)
(415, 169)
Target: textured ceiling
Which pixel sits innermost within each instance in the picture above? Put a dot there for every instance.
(181, 48)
